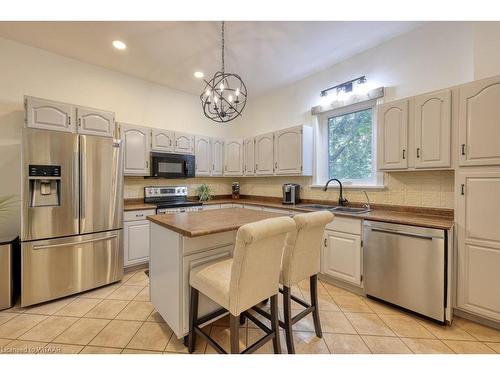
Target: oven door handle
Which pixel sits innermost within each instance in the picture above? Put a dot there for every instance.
(185, 168)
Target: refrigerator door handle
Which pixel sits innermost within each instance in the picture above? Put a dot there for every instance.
(83, 172)
(75, 184)
(38, 247)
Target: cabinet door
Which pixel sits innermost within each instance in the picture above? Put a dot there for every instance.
(136, 243)
(478, 282)
(202, 154)
(50, 115)
(479, 126)
(393, 135)
(264, 154)
(433, 130)
(95, 122)
(184, 143)
(217, 156)
(233, 157)
(249, 150)
(136, 149)
(288, 151)
(162, 140)
(341, 256)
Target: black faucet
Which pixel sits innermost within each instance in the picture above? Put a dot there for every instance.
(342, 200)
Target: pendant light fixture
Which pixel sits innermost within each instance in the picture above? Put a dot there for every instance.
(225, 95)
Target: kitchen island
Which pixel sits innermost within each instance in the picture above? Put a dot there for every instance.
(182, 241)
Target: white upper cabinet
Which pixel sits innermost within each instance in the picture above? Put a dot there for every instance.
(95, 122)
(136, 149)
(233, 157)
(264, 154)
(478, 223)
(50, 115)
(249, 157)
(479, 124)
(162, 140)
(202, 154)
(293, 151)
(184, 143)
(393, 135)
(433, 130)
(217, 156)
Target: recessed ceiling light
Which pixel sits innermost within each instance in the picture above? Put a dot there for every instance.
(118, 44)
(199, 74)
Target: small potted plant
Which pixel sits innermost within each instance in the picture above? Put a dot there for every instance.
(204, 192)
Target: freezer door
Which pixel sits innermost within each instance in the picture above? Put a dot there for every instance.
(60, 267)
(50, 205)
(101, 184)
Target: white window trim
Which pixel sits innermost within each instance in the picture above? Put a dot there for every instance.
(320, 175)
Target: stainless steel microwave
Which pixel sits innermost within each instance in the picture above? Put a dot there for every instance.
(172, 165)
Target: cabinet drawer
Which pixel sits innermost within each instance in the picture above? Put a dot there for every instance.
(196, 244)
(137, 215)
(346, 225)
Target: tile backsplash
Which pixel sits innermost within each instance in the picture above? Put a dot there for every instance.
(409, 188)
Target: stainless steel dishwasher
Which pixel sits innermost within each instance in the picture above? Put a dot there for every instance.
(406, 266)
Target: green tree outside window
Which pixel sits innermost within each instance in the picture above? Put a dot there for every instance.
(350, 145)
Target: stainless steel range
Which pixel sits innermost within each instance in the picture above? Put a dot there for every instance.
(170, 199)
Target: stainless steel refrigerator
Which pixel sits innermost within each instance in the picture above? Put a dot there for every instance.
(72, 214)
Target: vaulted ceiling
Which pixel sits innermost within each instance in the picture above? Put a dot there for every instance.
(266, 54)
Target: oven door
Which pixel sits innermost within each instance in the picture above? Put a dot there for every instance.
(172, 165)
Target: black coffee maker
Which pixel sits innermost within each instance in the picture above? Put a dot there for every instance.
(291, 193)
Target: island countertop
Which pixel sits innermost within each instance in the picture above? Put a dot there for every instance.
(201, 223)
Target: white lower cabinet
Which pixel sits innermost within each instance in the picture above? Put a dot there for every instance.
(341, 250)
(136, 237)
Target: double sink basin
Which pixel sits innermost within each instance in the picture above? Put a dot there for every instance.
(325, 207)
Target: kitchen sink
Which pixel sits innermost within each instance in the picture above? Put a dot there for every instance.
(351, 210)
(317, 206)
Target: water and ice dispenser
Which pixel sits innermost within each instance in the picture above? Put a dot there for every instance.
(45, 185)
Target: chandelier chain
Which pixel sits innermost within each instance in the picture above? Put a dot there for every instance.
(222, 46)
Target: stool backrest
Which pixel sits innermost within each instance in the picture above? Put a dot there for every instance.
(257, 261)
(301, 257)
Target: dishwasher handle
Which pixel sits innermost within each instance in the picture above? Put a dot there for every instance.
(396, 232)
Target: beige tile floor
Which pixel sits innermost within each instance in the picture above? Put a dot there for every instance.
(120, 319)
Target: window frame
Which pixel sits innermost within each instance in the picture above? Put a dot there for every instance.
(321, 167)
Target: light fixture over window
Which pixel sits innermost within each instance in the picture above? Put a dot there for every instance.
(343, 91)
(225, 95)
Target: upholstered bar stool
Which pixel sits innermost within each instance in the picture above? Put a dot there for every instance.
(301, 260)
(237, 284)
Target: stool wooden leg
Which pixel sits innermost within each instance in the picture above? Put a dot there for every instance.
(242, 319)
(193, 319)
(287, 309)
(234, 328)
(275, 326)
(313, 282)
